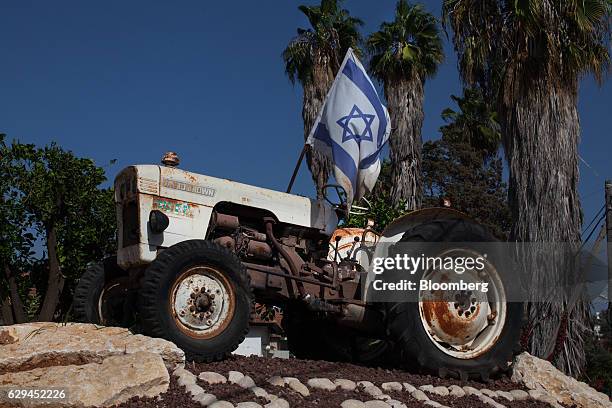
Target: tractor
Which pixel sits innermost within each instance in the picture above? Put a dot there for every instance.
(196, 252)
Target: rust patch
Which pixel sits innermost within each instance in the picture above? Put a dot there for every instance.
(438, 313)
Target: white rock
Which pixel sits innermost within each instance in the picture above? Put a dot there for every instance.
(298, 387)
(322, 383)
(235, 376)
(364, 384)
(248, 404)
(490, 401)
(221, 404)
(409, 387)
(180, 372)
(391, 386)
(376, 404)
(278, 403)
(276, 380)
(75, 343)
(194, 389)
(185, 380)
(372, 390)
(383, 397)
(419, 395)
(246, 382)
(352, 403)
(259, 392)
(471, 391)
(396, 403)
(430, 403)
(505, 395)
(287, 380)
(426, 388)
(210, 377)
(204, 399)
(535, 373)
(519, 395)
(456, 391)
(113, 381)
(488, 393)
(441, 391)
(347, 385)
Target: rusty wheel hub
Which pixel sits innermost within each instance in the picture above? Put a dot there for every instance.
(201, 301)
(463, 323)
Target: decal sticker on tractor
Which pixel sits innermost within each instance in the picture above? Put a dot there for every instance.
(173, 207)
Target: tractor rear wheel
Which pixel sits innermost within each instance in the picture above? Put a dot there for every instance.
(473, 336)
(197, 294)
(103, 297)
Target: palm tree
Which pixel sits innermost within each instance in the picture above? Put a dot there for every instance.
(529, 57)
(312, 58)
(475, 123)
(405, 52)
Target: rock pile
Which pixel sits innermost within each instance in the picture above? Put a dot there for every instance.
(541, 377)
(94, 366)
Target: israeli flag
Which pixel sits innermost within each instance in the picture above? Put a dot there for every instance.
(352, 128)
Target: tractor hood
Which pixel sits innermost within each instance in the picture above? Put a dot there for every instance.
(206, 192)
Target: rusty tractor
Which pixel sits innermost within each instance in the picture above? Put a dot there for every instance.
(195, 252)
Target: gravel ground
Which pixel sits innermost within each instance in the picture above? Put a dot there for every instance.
(261, 369)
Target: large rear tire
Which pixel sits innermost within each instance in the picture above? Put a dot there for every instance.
(197, 294)
(427, 344)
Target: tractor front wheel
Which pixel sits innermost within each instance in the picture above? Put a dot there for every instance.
(197, 294)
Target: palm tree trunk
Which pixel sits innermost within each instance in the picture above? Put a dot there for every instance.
(541, 131)
(405, 103)
(315, 91)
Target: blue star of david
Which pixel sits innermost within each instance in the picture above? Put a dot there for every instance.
(347, 131)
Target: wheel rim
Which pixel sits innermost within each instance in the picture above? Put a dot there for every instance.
(112, 294)
(202, 302)
(463, 324)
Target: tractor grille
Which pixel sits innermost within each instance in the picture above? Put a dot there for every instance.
(131, 224)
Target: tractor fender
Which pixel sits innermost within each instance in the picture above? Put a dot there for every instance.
(396, 229)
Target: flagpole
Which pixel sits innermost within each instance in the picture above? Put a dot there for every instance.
(297, 166)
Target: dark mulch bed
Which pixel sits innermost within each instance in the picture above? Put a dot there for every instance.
(174, 397)
(261, 369)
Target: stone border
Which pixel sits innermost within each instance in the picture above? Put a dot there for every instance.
(380, 400)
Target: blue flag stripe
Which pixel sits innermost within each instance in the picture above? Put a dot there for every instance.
(352, 71)
(342, 159)
(356, 75)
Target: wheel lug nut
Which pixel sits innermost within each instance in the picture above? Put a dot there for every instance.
(209, 322)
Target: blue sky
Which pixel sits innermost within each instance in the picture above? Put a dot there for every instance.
(128, 80)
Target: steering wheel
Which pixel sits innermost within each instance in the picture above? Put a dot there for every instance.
(340, 193)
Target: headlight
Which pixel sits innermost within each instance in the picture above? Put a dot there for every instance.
(158, 221)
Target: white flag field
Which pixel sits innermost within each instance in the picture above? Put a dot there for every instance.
(352, 128)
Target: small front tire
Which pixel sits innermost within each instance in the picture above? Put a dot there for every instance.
(197, 294)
